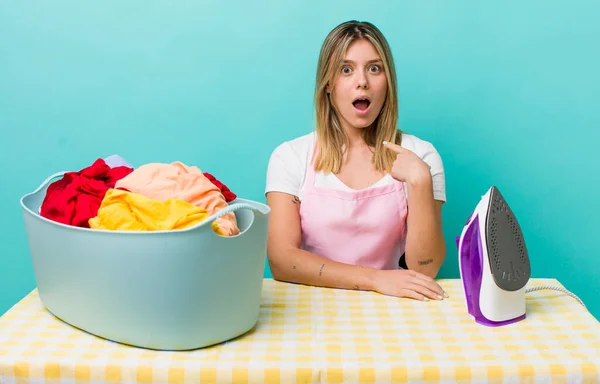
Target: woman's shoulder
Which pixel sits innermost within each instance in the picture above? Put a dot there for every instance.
(294, 152)
(287, 165)
(424, 149)
(418, 145)
(301, 146)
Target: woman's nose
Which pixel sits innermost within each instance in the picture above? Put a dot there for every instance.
(361, 81)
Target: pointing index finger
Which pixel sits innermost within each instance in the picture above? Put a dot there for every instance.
(394, 147)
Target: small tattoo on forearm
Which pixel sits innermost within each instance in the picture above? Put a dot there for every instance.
(425, 262)
(321, 270)
(295, 200)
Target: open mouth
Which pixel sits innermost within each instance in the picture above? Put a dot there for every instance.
(361, 103)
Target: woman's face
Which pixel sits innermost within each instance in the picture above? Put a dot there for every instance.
(360, 88)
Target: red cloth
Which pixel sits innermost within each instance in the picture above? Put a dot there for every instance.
(75, 198)
(229, 196)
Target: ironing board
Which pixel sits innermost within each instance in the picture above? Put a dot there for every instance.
(309, 334)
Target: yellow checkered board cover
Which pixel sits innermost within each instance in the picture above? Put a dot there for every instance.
(320, 335)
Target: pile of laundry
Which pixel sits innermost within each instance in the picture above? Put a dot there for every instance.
(111, 194)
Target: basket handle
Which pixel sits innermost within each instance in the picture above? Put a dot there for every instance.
(263, 211)
(233, 208)
(49, 179)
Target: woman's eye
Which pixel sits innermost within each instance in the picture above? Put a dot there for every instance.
(374, 68)
(346, 70)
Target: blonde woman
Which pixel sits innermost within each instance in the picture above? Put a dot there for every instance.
(357, 203)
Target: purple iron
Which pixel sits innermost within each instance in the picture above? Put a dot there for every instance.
(493, 262)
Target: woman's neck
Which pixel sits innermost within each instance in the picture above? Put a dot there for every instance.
(355, 136)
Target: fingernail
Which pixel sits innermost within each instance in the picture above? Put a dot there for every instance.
(426, 298)
(445, 294)
(385, 142)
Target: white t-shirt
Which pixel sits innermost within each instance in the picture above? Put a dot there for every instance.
(288, 163)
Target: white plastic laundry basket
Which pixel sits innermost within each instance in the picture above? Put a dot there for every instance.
(167, 290)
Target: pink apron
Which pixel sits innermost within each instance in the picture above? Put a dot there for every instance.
(362, 227)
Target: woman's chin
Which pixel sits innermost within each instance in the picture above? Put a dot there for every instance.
(361, 123)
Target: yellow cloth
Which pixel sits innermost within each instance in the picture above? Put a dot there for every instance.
(308, 334)
(179, 181)
(127, 211)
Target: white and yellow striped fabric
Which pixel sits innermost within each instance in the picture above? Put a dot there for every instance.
(318, 335)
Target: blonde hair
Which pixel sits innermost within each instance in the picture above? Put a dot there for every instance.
(330, 134)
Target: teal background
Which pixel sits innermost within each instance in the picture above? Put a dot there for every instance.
(508, 93)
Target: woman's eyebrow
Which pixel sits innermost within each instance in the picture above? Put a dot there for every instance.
(368, 62)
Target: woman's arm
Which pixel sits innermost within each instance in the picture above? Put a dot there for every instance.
(290, 263)
(425, 245)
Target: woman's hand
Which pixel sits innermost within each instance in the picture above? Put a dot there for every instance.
(408, 167)
(407, 283)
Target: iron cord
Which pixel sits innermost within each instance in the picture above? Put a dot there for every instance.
(555, 288)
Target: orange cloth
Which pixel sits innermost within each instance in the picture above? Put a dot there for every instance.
(127, 211)
(179, 181)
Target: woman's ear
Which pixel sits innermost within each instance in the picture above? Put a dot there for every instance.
(327, 88)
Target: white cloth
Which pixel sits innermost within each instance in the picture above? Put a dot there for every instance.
(286, 171)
